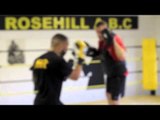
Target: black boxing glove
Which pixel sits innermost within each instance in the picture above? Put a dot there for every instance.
(108, 36)
(71, 63)
(91, 51)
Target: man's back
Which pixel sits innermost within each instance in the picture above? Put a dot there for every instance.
(49, 71)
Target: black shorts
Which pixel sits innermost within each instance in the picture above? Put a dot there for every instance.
(116, 86)
(38, 101)
(45, 103)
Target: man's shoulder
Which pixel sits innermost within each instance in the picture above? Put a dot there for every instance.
(118, 38)
(48, 55)
(51, 57)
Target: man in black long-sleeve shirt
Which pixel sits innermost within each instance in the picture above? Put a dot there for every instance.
(50, 70)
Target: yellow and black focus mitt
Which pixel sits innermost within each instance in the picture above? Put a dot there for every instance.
(81, 50)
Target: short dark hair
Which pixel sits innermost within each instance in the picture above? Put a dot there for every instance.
(101, 23)
(59, 37)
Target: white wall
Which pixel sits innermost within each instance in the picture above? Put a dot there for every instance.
(149, 27)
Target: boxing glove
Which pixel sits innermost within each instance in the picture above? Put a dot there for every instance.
(91, 51)
(108, 36)
(81, 51)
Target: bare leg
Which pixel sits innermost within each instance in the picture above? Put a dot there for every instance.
(114, 102)
(109, 98)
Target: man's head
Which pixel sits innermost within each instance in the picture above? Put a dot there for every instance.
(59, 43)
(12, 42)
(100, 26)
